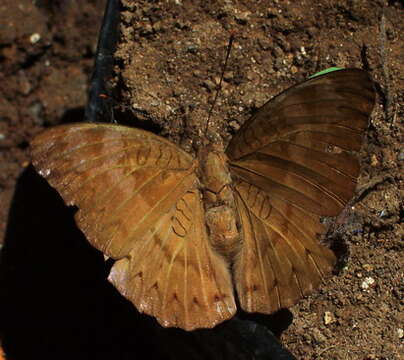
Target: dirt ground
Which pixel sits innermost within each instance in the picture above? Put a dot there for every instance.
(170, 61)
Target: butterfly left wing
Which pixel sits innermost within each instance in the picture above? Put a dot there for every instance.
(292, 163)
(139, 204)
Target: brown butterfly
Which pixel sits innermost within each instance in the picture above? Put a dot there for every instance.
(187, 233)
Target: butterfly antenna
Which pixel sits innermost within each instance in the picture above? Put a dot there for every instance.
(219, 86)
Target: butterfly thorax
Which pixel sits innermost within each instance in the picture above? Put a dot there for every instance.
(220, 211)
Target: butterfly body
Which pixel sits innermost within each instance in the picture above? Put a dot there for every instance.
(189, 234)
(218, 199)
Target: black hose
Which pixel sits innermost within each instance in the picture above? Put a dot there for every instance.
(99, 107)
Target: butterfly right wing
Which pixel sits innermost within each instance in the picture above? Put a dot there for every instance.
(139, 204)
(281, 259)
(291, 163)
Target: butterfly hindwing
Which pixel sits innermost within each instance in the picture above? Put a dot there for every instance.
(280, 259)
(173, 274)
(291, 163)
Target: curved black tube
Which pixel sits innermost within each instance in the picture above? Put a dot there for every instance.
(99, 109)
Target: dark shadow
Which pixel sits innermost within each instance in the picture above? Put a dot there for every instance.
(341, 250)
(137, 119)
(73, 115)
(277, 322)
(55, 300)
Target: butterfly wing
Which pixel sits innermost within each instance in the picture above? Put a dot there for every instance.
(130, 187)
(292, 163)
(189, 285)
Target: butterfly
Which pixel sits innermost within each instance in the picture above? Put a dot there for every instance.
(189, 234)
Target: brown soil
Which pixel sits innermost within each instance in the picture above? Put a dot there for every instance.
(175, 50)
(46, 57)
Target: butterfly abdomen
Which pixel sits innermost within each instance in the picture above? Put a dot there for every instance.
(223, 232)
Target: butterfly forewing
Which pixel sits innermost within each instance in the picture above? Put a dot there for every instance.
(296, 153)
(335, 104)
(121, 179)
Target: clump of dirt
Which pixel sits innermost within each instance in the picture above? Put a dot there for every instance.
(171, 59)
(172, 55)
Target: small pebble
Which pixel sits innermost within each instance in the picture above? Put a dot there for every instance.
(367, 283)
(368, 267)
(34, 38)
(400, 333)
(373, 160)
(209, 84)
(328, 318)
(383, 213)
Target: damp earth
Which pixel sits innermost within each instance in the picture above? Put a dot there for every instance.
(169, 63)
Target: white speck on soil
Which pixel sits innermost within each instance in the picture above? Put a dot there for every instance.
(367, 283)
(34, 38)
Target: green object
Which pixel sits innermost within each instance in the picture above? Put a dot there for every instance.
(322, 72)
